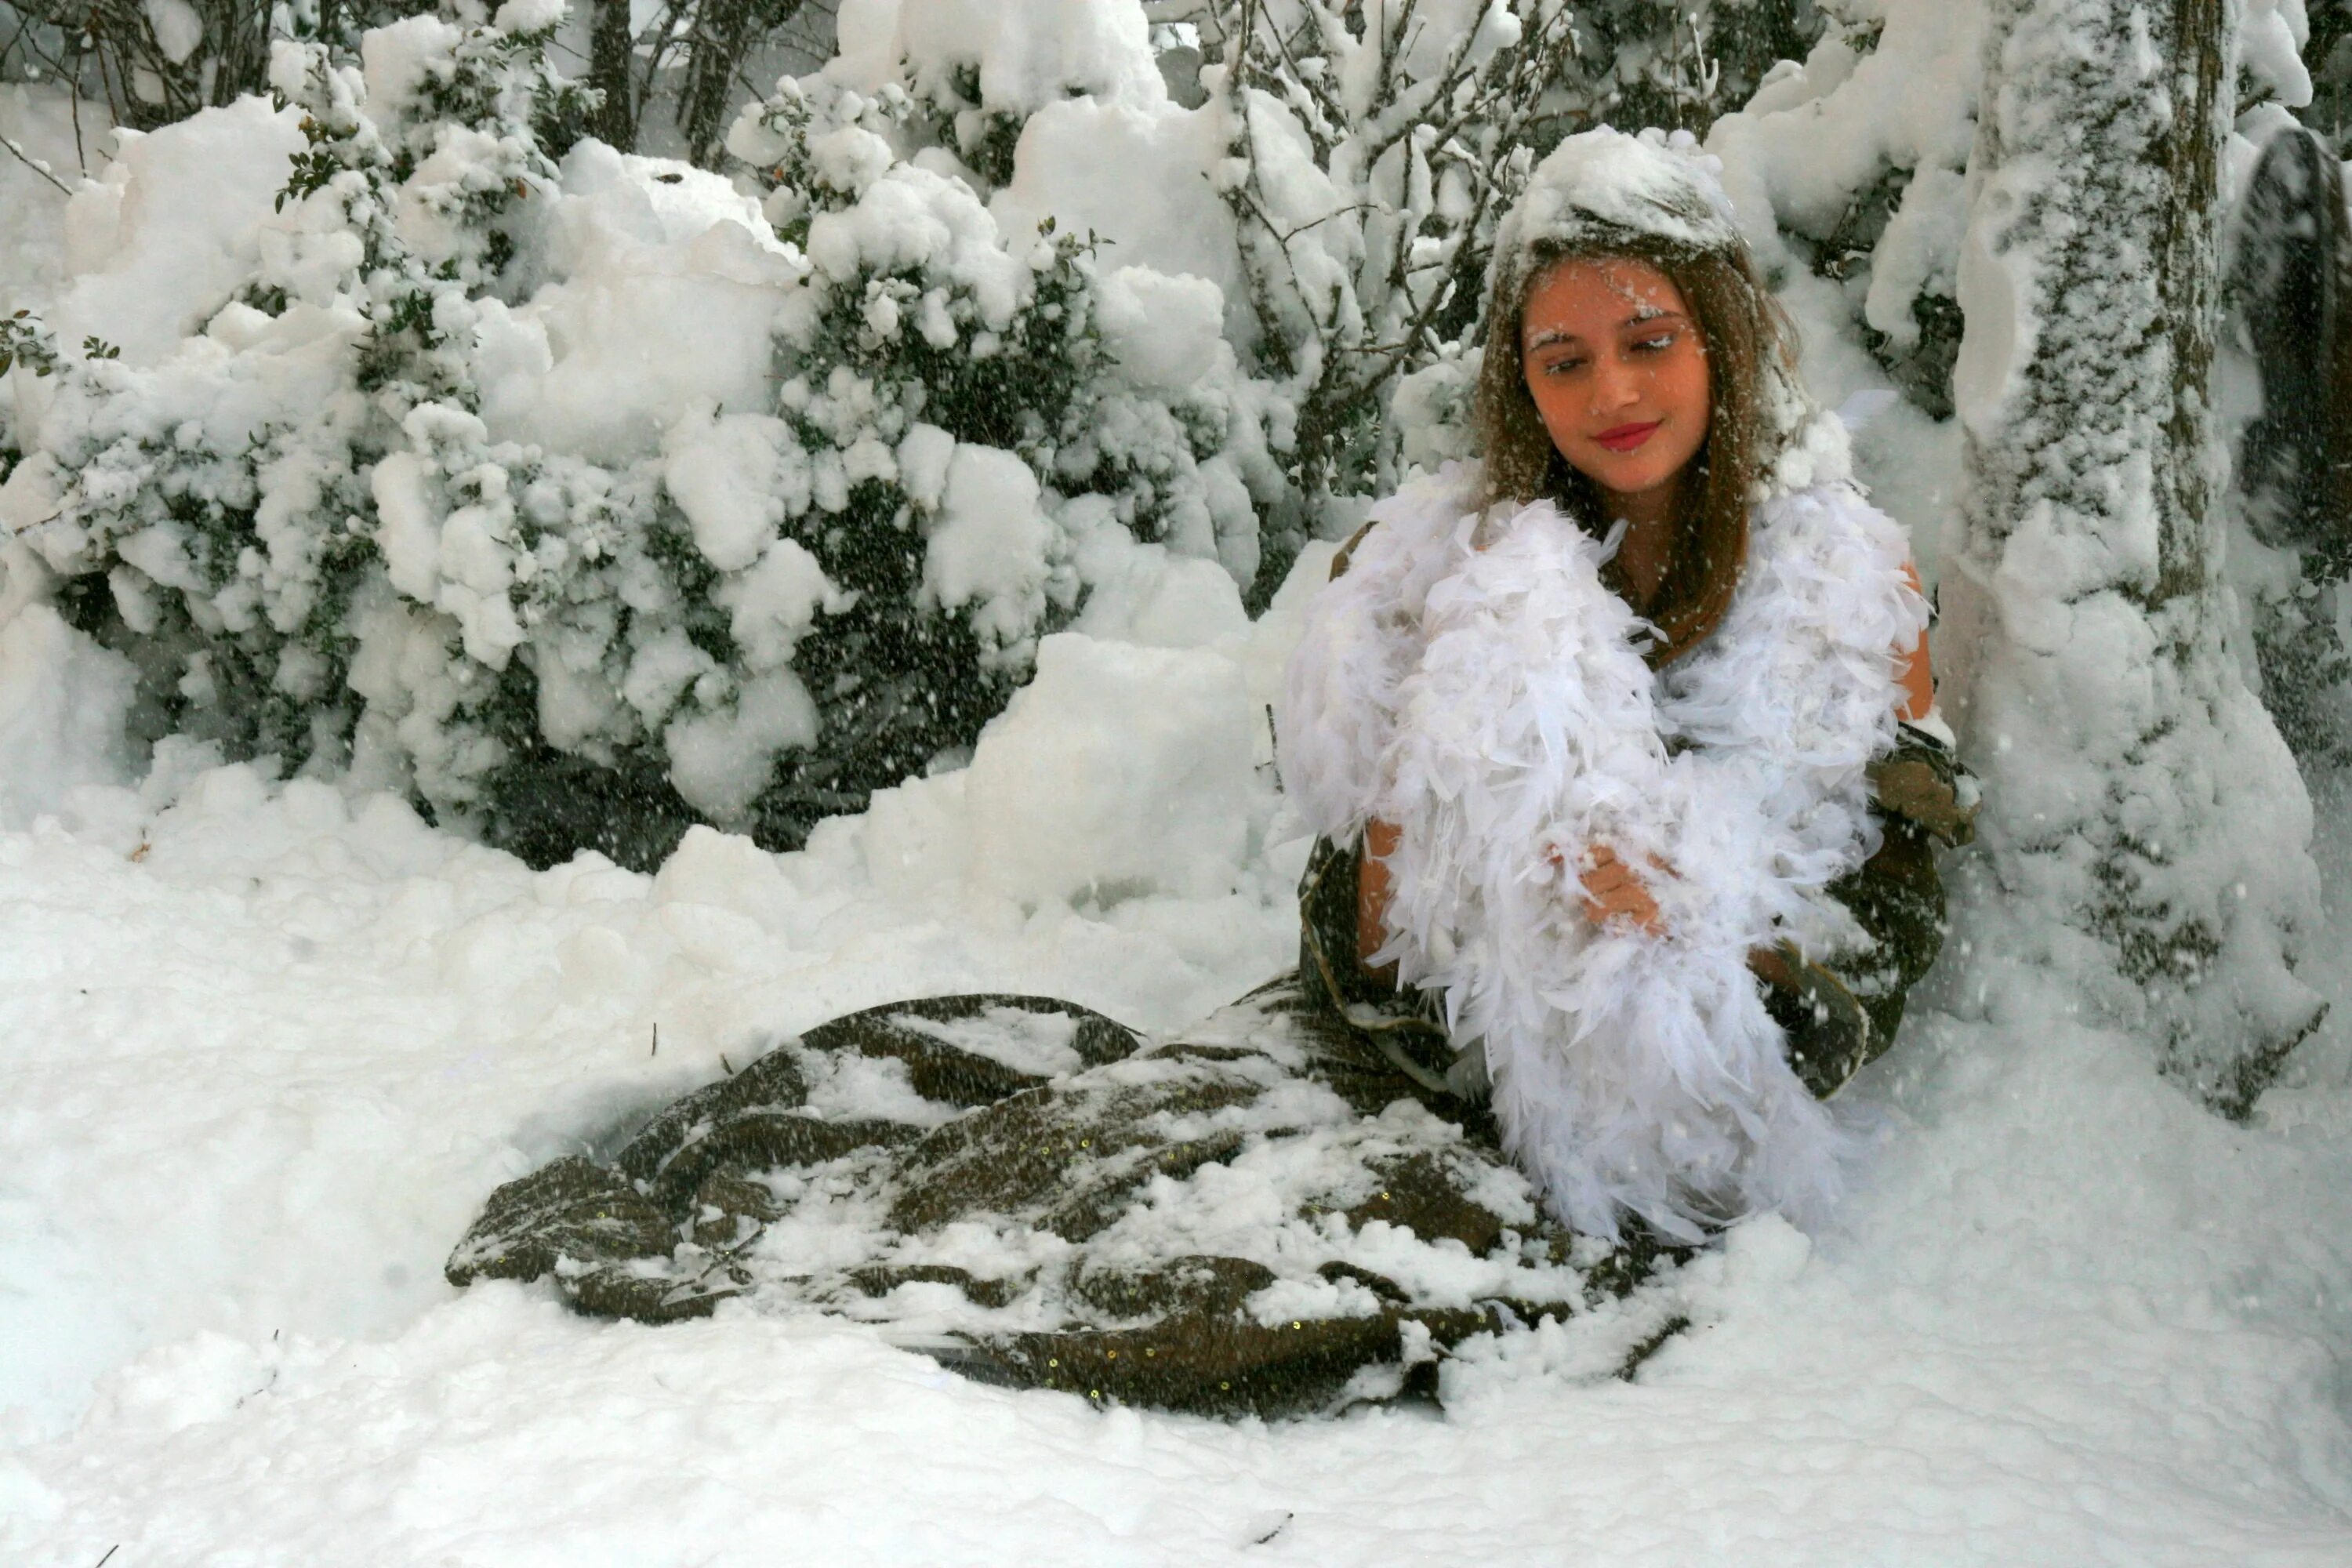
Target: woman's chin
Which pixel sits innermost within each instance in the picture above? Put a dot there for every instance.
(1621, 480)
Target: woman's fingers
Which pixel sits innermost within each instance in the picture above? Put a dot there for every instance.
(1630, 899)
(1613, 889)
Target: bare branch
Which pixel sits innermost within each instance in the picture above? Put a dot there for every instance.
(34, 165)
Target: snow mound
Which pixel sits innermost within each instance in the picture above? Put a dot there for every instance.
(63, 700)
(158, 243)
(1120, 770)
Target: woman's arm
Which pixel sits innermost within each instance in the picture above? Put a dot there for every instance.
(1372, 888)
(1918, 679)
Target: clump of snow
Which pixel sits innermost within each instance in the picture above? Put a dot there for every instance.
(724, 475)
(527, 15)
(63, 702)
(721, 759)
(1139, 179)
(1149, 756)
(986, 547)
(1024, 56)
(1165, 331)
(1144, 594)
(1605, 179)
(178, 28)
(656, 285)
(159, 242)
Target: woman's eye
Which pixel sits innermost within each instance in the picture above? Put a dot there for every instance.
(1658, 345)
(1562, 366)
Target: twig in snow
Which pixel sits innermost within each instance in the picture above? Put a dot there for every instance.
(34, 165)
(656, 1050)
(110, 1553)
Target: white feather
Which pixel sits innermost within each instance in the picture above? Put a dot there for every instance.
(1475, 682)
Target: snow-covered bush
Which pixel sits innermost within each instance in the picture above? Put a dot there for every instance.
(570, 495)
(221, 485)
(1848, 174)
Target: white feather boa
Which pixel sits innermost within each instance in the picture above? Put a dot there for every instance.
(1473, 681)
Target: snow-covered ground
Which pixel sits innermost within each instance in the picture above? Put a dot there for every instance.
(264, 1046)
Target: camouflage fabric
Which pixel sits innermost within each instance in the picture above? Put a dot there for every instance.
(1297, 1206)
(1262, 1217)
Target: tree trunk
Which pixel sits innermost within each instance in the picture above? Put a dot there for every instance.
(611, 71)
(725, 33)
(2147, 833)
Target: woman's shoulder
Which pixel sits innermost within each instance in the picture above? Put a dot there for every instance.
(1422, 511)
(1833, 515)
(1435, 521)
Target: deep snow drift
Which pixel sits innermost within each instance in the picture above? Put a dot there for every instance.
(268, 1045)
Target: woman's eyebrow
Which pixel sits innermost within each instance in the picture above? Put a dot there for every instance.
(1649, 313)
(1549, 336)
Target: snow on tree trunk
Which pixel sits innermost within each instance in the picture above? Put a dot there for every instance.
(2147, 833)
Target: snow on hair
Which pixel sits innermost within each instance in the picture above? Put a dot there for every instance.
(1601, 183)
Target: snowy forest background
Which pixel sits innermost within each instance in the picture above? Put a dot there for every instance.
(523, 529)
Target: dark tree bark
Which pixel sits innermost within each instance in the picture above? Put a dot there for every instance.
(2291, 293)
(725, 31)
(610, 61)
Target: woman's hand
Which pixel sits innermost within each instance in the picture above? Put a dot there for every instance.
(1613, 890)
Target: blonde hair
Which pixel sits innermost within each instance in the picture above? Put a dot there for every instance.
(1750, 347)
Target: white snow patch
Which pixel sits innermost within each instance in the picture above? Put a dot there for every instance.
(987, 545)
(157, 244)
(1118, 770)
(63, 700)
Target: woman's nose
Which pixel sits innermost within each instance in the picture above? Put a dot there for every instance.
(1614, 383)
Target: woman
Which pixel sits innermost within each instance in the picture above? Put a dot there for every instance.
(1600, 714)
(1592, 831)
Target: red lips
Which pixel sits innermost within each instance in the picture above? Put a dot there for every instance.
(1625, 437)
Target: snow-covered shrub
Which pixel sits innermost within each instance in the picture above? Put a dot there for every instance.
(571, 496)
(221, 487)
(957, 416)
(1847, 173)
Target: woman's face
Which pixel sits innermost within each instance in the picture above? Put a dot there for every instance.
(1618, 371)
